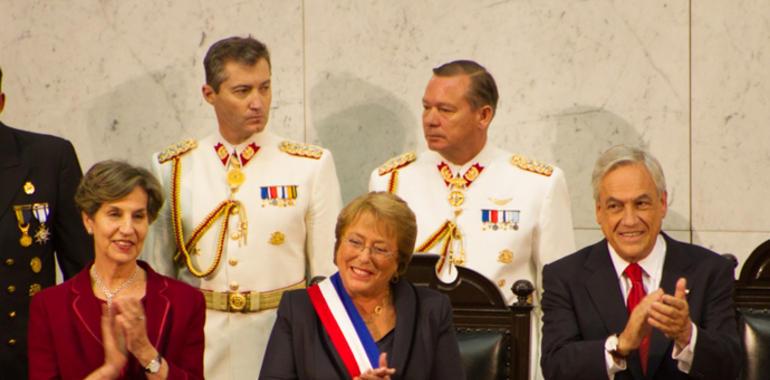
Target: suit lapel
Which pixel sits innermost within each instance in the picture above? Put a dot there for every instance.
(674, 266)
(12, 170)
(604, 289)
(405, 300)
(87, 314)
(157, 305)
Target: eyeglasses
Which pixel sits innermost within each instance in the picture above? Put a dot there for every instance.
(374, 250)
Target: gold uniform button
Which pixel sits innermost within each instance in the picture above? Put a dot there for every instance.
(9, 262)
(11, 342)
(233, 262)
(11, 288)
(234, 286)
(12, 314)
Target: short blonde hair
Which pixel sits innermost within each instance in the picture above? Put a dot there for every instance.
(109, 181)
(392, 212)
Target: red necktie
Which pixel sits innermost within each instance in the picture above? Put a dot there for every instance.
(635, 295)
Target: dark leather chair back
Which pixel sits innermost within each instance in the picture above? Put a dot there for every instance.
(754, 326)
(493, 336)
(752, 300)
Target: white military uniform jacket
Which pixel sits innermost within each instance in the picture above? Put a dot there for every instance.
(515, 215)
(286, 241)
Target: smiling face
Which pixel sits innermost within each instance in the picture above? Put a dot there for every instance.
(119, 228)
(367, 257)
(452, 127)
(630, 211)
(242, 104)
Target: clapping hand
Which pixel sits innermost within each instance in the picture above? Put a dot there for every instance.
(671, 315)
(381, 373)
(115, 354)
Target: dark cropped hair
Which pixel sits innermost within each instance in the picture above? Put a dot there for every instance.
(244, 50)
(109, 181)
(482, 91)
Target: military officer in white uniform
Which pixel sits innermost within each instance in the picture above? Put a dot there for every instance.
(249, 216)
(477, 206)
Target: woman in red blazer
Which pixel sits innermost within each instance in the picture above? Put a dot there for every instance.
(117, 319)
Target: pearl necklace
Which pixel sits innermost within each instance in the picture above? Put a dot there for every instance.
(111, 294)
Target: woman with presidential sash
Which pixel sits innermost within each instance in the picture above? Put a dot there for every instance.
(365, 321)
(117, 319)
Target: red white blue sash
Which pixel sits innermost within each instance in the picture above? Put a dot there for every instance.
(344, 325)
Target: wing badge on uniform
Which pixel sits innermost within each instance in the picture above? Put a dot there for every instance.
(500, 202)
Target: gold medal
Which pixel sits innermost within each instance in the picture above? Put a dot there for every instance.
(235, 178)
(29, 188)
(456, 198)
(42, 235)
(277, 238)
(505, 256)
(34, 288)
(25, 240)
(36, 264)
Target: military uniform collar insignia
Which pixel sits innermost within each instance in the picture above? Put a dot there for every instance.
(246, 153)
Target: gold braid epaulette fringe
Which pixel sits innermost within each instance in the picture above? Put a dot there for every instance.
(532, 165)
(392, 165)
(301, 149)
(176, 150)
(222, 210)
(396, 163)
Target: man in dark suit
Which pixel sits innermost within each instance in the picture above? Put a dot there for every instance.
(681, 323)
(39, 174)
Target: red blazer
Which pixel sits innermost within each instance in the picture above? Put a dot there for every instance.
(65, 337)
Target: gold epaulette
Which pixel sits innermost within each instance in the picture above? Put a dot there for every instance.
(301, 149)
(397, 162)
(177, 150)
(532, 165)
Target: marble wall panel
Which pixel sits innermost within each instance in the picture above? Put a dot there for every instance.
(731, 93)
(740, 244)
(122, 79)
(575, 77)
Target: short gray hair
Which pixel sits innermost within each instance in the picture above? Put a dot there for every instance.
(621, 155)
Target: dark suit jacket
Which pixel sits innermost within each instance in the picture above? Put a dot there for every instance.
(583, 305)
(424, 346)
(65, 335)
(50, 164)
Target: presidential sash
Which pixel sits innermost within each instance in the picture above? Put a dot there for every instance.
(344, 325)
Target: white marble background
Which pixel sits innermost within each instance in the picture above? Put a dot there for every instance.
(121, 79)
